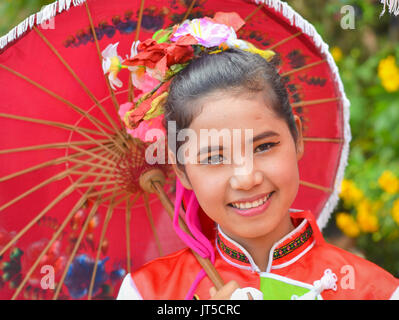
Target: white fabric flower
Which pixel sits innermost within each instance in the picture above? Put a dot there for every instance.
(112, 64)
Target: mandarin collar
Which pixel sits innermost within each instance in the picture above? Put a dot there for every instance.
(284, 252)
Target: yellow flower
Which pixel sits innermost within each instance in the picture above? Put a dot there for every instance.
(388, 72)
(389, 182)
(347, 224)
(395, 211)
(367, 215)
(337, 54)
(350, 194)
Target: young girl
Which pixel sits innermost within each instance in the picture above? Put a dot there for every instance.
(262, 245)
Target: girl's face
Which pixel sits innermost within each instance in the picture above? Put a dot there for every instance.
(221, 187)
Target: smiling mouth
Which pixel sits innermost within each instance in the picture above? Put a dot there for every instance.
(251, 204)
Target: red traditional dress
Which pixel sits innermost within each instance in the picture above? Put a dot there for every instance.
(301, 266)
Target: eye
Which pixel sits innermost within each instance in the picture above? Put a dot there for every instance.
(215, 159)
(265, 146)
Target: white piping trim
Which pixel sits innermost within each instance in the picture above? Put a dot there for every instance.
(283, 265)
(230, 262)
(308, 29)
(251, 261)
(395, 295)
(269, 264)
(46, 13)
(254, 267)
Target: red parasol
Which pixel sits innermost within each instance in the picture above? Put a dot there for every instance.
(70, 195)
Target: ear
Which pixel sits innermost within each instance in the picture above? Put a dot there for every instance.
(181, 174)
(300, 148)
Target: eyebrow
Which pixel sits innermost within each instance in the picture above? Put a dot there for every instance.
(263, 135)
(266, 134)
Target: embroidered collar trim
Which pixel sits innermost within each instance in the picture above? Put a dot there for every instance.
(292, 246)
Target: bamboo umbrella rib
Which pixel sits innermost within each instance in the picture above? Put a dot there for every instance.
(313, 102)
(94, 184)
(94, 120)
(128, 219)
(190, 8)
(92, 164)
(96, 174)
(62, 195)
(77, 244)
(310, 65)
(88, 152)
(103, 191)
(108, 217)
(84, 87)
(248, 17)
(55, 161)
(53, 123)
(55, 236)
(317, 139)
(151, 220)
(315, 186)
(60, 125)
(120, 192)
(114, 100)
(56, 145)
(136, 38)
(56, 177)
(274, 46)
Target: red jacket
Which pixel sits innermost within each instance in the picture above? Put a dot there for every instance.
(296, 262)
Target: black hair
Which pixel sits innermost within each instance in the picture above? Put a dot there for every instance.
(234, 71)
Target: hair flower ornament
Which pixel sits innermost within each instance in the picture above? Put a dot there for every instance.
(153, 62)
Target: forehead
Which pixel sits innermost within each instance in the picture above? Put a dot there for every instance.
(223, 111)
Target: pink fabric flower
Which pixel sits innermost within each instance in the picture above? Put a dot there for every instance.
(205, 31)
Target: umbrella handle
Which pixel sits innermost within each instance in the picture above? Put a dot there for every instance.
(153, 181)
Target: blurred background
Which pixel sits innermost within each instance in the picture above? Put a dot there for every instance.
(365, 47)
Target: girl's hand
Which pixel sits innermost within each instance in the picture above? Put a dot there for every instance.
(225, 292)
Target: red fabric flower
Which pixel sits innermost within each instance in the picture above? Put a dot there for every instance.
(137, 115)
(162, 55)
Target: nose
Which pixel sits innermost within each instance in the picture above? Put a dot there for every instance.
(247, 180)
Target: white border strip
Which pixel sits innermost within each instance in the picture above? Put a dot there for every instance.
(46, 13)
(308, 29)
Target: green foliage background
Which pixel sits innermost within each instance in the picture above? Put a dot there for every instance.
(374, 111)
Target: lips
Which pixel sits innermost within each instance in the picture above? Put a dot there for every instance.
(251, 202)
(256, 206)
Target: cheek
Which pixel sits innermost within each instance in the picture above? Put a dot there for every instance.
(209, 186)
(282, 171)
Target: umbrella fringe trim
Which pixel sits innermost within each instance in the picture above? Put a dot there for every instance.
(44, 15)
(307, 28)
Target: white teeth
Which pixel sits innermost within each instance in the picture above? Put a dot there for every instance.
(254, 204)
